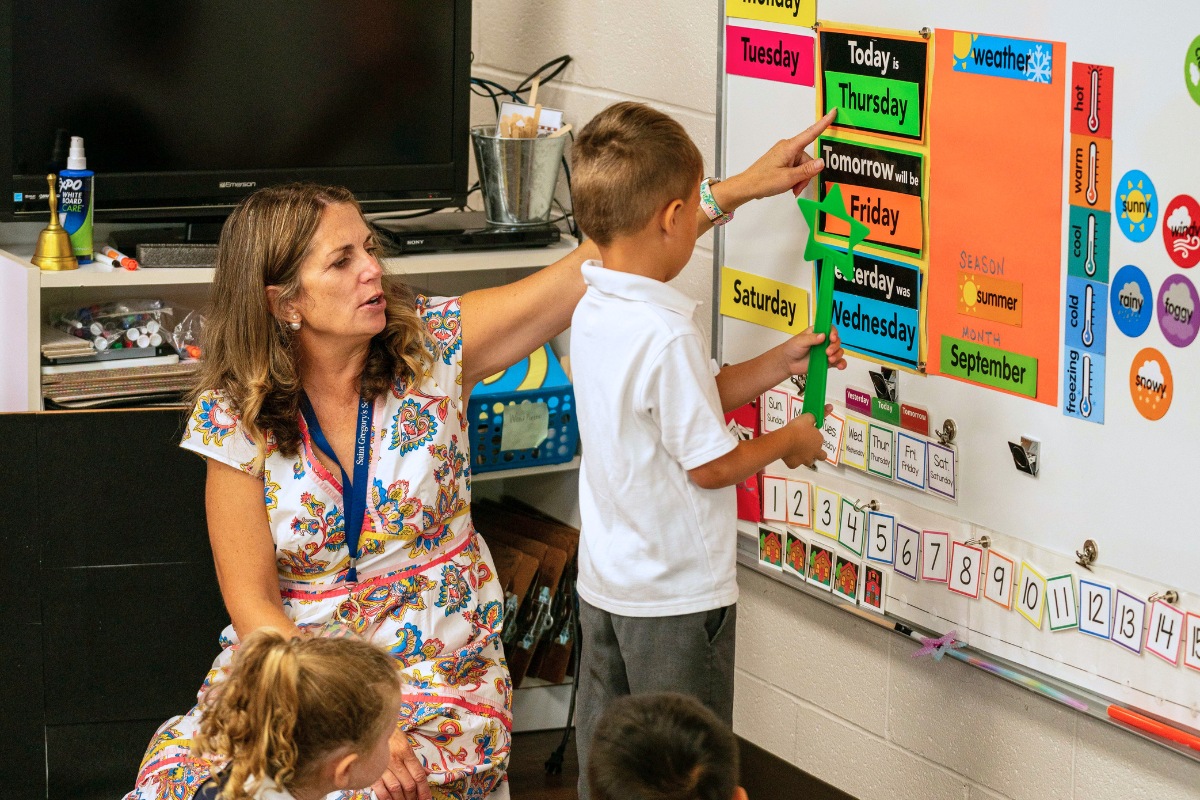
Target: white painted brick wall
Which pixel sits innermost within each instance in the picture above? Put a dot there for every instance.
(835, 695)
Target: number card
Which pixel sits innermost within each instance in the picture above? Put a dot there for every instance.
(820, 565)
(825, 514)
(879, 454)
(1166, 632)
(881, 537)
(908, 551)
(1128, 615)
(795, 556)
(1031, 601)
(999, 584)
(966, 562)
(774, 410)
(845, 578)
(940, 473)
(799, 503)
(1060, 603)
(910, 460)
(1191, 647)
(770, 548)
(873, 594)
(774, 499)
(935, 556)
(831, 437)
(853, 528)
(854, 443)
(1095, 609)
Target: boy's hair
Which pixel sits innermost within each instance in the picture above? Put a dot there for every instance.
(662, 747)
(628, 162)
(289, 702)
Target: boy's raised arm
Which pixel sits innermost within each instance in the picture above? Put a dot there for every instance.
(738, 384)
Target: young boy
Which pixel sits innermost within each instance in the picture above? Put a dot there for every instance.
(657, 580)
(663, 747)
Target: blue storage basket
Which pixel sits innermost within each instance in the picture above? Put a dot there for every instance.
(538, 379)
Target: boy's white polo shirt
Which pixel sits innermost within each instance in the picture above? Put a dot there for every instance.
(653, 543)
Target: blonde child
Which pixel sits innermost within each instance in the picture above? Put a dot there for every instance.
(657, 578)
(299, 718)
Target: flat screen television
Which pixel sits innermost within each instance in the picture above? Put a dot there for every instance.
(187, 106)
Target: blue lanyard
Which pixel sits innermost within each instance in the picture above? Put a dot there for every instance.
(354, 495)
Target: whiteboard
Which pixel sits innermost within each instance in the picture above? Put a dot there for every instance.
(1127, 483)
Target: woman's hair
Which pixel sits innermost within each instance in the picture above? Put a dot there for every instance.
(662, 747)
(252, 357)
(288, 702)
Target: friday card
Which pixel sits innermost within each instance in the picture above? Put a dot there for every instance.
(1166, 632)
(820, 565)
(774, 498)
(879, 451)
(881, 537)
(1129, 615)
(831, 437)
(1191, 645)
(770, 548)
(1031, 598)
(873, 594)
(795, 556)
(966, 563)
(845, 578)
(854, 443)
(1095, 606)
(826, 508)
(908, 551)
(935, 556)
(852, 528)
(799, 503)
(910, 460)
(998, 585)
(1060, 603)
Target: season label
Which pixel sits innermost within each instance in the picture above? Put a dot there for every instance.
(1091, 100)
(990, 366)
(877, 312)
(877, 83)
(787, 12)
(1083, 385)
(1087, 253)
(1004, 57)
(881, 188)
(994, 299)
(769, 55)
(760, 300)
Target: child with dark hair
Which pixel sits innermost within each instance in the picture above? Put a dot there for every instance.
(299, 718)
(663, 747)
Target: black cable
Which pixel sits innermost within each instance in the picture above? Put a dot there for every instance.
(554, 764)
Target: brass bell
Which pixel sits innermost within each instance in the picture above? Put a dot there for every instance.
(54, 250)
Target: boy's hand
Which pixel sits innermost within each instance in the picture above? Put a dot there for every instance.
(784, 166)
(806, 449)
(795, 351)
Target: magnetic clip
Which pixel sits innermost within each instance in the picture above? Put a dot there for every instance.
(1025, 455)
(947, 433)
(886, 382)
(984, 541)
(1168, 596)
(1087, 556)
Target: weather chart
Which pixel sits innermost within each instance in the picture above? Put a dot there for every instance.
(1008, 222)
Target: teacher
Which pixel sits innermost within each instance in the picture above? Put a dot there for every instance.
(331, 410)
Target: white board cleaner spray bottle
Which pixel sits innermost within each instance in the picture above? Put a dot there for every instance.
(75, 201)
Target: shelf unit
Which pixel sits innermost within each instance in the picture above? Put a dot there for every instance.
(26, 293)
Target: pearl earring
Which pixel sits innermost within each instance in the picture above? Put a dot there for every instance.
(295, 324)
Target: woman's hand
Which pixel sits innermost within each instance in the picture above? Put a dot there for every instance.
(405, 778)
(795, 351)
(784, 166)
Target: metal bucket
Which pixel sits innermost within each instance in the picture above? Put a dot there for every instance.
(518, 176)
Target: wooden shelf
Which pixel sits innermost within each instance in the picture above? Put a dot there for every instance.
(523, 472)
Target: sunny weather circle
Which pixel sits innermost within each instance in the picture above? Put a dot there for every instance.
(1136, 206)
(1132, 301)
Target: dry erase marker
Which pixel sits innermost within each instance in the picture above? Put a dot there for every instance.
(105, 261)
(1148, 725)
(120, 258)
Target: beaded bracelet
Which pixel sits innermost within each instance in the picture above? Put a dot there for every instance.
(709, 203)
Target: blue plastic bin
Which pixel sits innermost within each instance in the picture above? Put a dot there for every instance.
(531, 389)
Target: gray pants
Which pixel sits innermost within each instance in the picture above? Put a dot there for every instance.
(690, 653)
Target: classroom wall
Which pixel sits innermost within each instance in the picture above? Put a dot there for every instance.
(836, 696)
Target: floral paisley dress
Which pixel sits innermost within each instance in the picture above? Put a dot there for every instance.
(427, 590)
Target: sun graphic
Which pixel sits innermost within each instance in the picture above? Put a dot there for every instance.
(1136, 208)
(963, 44)
(970, 293)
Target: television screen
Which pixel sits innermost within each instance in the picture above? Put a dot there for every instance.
(187, 106)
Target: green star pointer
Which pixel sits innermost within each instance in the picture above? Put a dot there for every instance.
(818, 365)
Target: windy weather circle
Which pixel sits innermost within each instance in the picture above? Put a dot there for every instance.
(1181, 231)
(1136, 206)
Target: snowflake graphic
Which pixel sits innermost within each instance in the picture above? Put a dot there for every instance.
(1038, 68)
